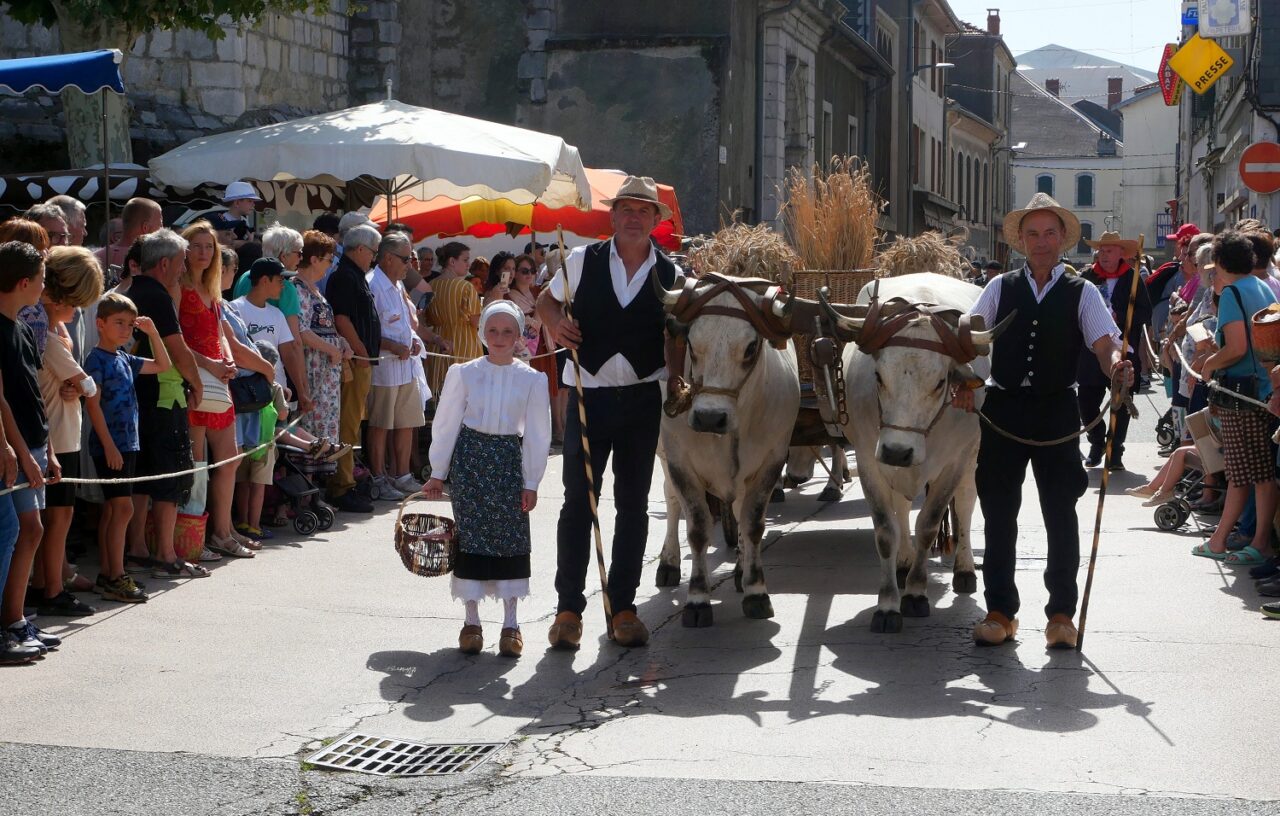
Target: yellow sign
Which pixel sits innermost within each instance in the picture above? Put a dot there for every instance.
(1201, 63)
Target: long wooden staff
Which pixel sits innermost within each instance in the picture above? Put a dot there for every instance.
(1115, 406)
(586, 446)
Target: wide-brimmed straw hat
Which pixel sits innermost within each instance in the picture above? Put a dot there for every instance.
(1128, 245)
(1041, 201)
(640, 188)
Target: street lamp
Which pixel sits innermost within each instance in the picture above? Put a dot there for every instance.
(920, 68)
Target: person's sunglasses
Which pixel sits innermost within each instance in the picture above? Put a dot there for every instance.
(525, 270)
(404, 259)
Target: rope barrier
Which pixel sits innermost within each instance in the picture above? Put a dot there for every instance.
(1213, 384)
(449, 356)
(189, 471)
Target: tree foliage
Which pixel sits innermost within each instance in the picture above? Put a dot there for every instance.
(136, 17)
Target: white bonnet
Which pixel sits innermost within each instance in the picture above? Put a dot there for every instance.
(498, 307)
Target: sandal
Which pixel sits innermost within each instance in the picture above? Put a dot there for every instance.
(179, 569)
(231, 547)
(1203, 551)
(138, 564)
(318, 448)
(336, 452)
(1247, 557)
(208, 556)
(254, 532)
(245, 541)
(77, 583)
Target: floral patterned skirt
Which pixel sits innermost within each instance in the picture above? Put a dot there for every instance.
(485, 483)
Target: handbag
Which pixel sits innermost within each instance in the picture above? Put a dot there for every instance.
(250, 394)
(1245, 385)
(214, 396)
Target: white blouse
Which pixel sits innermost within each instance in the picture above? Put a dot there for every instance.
(492, 399)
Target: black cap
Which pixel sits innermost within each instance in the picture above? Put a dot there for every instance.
(528, 248)
(267, 268)
(994, 265)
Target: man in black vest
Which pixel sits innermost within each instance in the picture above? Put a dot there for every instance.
(1031, 395)
(1113, 274)
(618, 329)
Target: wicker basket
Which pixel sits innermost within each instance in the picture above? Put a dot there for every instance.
(426, 543)
(1266, 333)
(844, 286)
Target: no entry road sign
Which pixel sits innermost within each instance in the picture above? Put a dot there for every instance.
(1260, 167)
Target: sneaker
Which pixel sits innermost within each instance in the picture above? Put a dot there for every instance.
(26, 634)
(12, 652)
(1272, 610)
(387, 490)
(123, 589)
(408, 485)
(64, 604)
(351, 502)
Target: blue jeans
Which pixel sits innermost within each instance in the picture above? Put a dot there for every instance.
(1248, 521)
(8, 535)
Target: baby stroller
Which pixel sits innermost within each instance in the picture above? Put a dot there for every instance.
(1167, 431)
(1174, 513)
(300, 493)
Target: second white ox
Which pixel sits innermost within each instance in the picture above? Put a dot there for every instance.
(732, 442)
(905, 434)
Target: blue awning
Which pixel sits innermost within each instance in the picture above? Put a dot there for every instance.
(90, 71)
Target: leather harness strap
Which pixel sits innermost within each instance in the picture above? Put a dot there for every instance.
(696, 296)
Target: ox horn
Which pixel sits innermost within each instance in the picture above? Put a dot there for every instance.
(982, 339)
(849, 324)
(782, 310)
(667, 296)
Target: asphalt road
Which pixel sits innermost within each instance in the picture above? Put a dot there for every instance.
(205, 699)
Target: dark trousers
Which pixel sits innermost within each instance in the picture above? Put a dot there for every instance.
(622, 424)
(1060, 480)
(1093, 400)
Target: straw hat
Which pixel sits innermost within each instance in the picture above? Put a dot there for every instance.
(1128, 245)
(640, 188)
(1041, 201)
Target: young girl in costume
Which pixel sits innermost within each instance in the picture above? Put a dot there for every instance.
(490, 439)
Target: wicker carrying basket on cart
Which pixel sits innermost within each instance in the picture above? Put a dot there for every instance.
(844, 286)
(426, 543)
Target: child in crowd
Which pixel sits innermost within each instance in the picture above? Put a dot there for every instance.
(113, 412)
(11, 651)
(72, 279)
(27, 429)
(490, 439)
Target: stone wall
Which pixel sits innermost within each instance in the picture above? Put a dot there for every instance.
(182, 85)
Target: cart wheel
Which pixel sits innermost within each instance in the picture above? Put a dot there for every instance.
(306, 522)
(1165, 436)
(325, 517)
(1169, 517)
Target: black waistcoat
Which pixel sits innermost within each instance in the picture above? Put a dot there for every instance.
(635, 332)
(1089, 372)
(1043, 343)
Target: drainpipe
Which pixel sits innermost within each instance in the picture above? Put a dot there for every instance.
(761, 18)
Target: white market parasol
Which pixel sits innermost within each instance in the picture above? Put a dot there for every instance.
(418, 151)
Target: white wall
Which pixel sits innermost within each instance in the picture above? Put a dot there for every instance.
(1107, 173)
(1150, 148)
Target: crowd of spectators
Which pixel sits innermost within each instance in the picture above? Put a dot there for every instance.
(144, 364)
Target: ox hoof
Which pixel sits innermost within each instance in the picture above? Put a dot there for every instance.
(902, 577)
(886, 622)
(757, 606)
(737, 577)
(668, 576)
(915, 606)
(965, 582)
(777, 496)
(696, 616)
(791, 482)
(829, 494)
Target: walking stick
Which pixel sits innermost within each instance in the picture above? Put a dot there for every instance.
(1106, 457)
(586, 447)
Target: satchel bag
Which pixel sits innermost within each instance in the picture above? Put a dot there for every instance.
(1245, 385)
(250, 394)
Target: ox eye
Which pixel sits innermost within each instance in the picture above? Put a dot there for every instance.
(941, 383)
(879, 381)
(752, 348)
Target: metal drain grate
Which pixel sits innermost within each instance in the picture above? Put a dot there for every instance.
(384, 756)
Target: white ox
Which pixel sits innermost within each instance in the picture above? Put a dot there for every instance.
(906, 437)
(732, 442)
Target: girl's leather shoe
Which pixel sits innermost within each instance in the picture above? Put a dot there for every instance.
(471, 639)
(511, 644)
